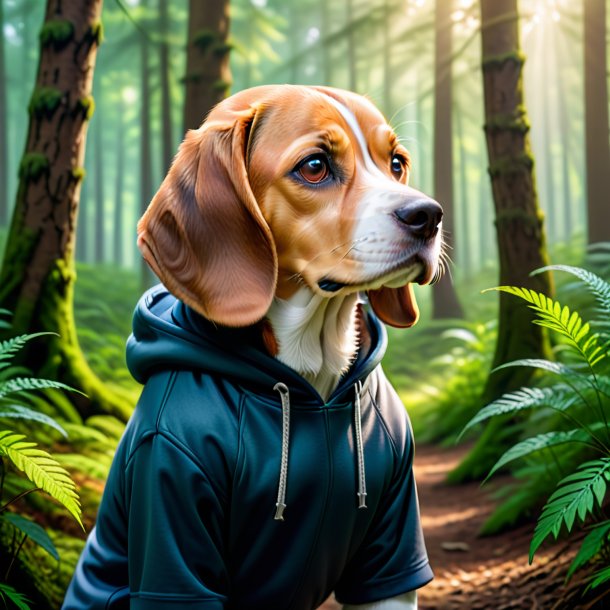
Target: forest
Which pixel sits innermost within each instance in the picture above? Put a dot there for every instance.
(503, 106)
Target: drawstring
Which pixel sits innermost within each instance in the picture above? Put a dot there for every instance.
(359, 449)
(280, 505)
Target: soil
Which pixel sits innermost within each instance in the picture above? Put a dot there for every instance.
(481, 573)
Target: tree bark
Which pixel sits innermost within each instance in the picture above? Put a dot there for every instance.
(118, 250)
(519, 222)
(167, 140)
(445, 303)
(208, 76)
(4, 208)
(37, 277)
(597, 146)
(351, 48)
(99, 251)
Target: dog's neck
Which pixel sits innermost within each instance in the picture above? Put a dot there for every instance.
(316, 336)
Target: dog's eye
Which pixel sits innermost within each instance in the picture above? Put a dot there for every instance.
(314, 169)
(397, 166)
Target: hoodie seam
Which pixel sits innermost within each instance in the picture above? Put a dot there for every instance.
(167, 393)
(384, 426)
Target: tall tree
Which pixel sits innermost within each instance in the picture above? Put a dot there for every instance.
(119, 184)
(444, 298)
(4, 210)
(351, 47)
(99, 249)
(519, 221)
(167, 140)
(208, 76)
(37, 276)
(597, 146)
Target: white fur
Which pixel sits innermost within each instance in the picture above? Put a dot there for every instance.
(316, 335)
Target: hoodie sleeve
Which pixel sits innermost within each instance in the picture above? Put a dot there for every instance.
(392, 559)
(175, 525)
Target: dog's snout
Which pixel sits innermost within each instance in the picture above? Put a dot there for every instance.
(422, 217)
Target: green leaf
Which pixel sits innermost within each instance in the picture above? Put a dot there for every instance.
(554, 316)
(599, 287)
(11, 346)
(22, 412)
(25, 384)
(537, 443)
(18, 599)
(575, 494)
(564, 371)
(557, 398)
(34, 531)
(599, 578)
(590, 547)
(42, 469)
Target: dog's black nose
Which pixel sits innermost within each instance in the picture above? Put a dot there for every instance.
(422, 217)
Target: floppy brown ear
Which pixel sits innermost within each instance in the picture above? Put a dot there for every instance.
(395, 306)
(203, 233)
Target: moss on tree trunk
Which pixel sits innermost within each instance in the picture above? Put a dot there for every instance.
(37, 276)
(519, 221)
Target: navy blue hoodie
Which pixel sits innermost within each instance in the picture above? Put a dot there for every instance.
(187, 517)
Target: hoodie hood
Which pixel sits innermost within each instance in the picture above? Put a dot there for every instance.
(167, 334)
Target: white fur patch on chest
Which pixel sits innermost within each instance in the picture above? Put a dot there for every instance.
(317, 336)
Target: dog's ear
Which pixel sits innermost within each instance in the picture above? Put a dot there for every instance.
(204, 234)
(395, 306)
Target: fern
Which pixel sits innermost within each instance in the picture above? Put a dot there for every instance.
(18, 599)
(590, 547)
(575, 495)
(599, 287)
(599, 578)
(21, 412)
(42, 469)
(11, 346)
(560, 319)
(26, 384)
(555, 397)
(537, 443)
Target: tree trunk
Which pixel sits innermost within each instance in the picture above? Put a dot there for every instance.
(519, 222)
(4, 209)
(445, 303)
(167, 141)
(208, 76)
(597, 146)
(118, 254)
(146, 187)
(466, 206)
(98, 155)
(37, 277)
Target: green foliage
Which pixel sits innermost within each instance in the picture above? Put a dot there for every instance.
(581, 399)
(18, 599)
(45, 101)
(32, 166)
(56, 32)
(33, 531)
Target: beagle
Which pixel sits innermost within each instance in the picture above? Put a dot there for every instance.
(294, 204)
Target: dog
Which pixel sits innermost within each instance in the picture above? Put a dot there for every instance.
(281, 217)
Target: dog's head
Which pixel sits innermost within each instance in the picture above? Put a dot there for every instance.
(284, 186)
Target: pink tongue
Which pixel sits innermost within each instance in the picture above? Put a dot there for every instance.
(395, 306)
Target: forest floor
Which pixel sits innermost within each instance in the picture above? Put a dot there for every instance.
(484, 573)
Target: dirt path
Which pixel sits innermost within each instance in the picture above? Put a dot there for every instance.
(473, 573)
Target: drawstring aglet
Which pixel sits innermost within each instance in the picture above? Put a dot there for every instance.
(362, 500)
(279, 511)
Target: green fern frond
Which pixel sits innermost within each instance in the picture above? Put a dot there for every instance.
(599, 578)
(599, 287)
(19, 599)
(559, 318)
(568, 374)
(11, 346)
(22, 412)
(557, 397)
(590, 547)
(575, 495)
(537, 443)
(25, 384)
(42, 469)
(33, 531)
